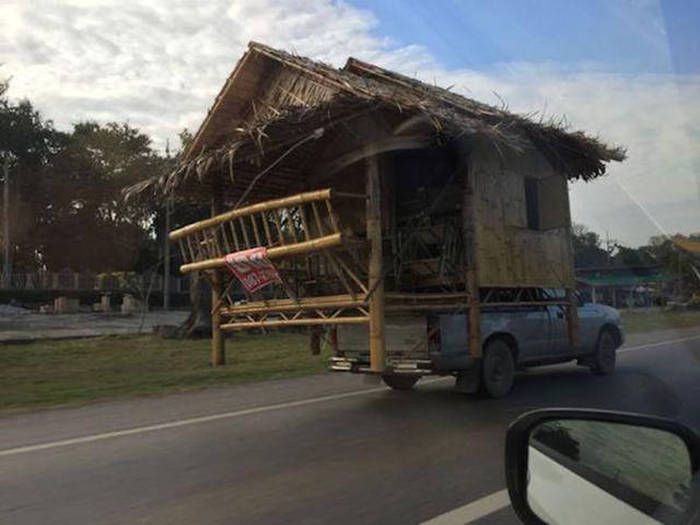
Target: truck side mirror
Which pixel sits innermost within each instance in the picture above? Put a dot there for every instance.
(581, 466)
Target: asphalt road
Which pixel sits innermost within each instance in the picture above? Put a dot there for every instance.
(324, 449)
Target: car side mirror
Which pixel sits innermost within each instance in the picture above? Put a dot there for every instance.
(581, 466)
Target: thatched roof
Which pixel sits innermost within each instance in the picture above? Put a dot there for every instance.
(273, 100)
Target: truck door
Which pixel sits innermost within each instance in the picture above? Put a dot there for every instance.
(531, 328)
(558, 333)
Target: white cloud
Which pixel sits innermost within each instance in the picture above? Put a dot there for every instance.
(158, 65)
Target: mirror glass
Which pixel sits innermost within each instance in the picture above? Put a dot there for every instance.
(584, 471)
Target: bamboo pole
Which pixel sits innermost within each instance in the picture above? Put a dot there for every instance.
(246, 239)
(247, 325)
(273, 253)
(425, 296)
(278, 225)
(470, 258)
(376, 280)
(234, 234)
(256, 232)
(287, 305)
(293, 200)
(315, 340)
(266, 228)
(572, 324)
(304, 223)
(218, 348)
(331, 215)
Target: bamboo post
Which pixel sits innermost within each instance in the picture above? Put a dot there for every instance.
(376, 281)
(572, 319)
(218, 348)
(470, 258)
(572, 325)
(315, 340)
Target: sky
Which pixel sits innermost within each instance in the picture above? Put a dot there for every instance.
(626, 71)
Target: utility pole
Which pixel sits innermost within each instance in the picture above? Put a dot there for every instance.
(166, 240)
(7, 268)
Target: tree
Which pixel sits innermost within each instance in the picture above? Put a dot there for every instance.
(29, 142)
(86, 225)
(587, 248)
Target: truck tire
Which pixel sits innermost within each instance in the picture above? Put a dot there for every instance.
(400, 382)
(497, 369)
(604, 357)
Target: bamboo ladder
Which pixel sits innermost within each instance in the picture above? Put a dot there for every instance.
(296, 225)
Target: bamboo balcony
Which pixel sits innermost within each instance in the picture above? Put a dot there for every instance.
(323, 284)
(289, 226)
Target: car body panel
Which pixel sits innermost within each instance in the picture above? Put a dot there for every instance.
(540, 333)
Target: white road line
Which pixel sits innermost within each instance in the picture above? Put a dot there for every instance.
(246, 412)
(660, 343)
(472, 511)
(196, 420)
(186, 422)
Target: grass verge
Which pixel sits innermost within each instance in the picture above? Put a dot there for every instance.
(72, 371)
(649, 321)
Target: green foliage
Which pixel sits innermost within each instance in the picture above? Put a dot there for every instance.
(66, 207)
(588, 251)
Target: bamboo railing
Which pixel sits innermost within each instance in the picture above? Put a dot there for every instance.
(288, 226)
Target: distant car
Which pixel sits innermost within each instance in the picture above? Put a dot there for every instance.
(513, 338)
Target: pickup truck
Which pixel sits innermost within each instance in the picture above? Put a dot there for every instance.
(512, 339)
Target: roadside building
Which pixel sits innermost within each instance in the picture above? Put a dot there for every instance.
(627, 286)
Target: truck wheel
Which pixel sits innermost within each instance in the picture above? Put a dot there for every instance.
(604, 357)
(497, 369)
(400, 382)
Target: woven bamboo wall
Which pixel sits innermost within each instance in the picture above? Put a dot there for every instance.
(508, 253)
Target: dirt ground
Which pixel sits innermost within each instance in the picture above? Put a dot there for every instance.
(34, 326)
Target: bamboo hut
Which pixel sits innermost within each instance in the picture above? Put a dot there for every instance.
(383, 203)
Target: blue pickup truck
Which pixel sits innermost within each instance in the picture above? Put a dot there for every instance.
(512, 339)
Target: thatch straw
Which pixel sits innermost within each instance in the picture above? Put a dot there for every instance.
(307, 96)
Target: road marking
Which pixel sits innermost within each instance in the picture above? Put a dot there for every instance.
(249, 411)
(472, 511)
(660, 343)
(197, 420)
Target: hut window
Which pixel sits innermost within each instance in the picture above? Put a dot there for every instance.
(546, 203)
(532, 203)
